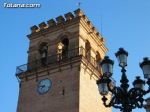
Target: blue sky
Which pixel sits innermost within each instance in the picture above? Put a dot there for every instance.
(126, 23)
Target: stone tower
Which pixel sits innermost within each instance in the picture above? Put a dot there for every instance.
(63, 66)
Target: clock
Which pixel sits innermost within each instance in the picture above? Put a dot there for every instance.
(44, 86)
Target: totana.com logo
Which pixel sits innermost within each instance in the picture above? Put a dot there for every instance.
(22, 5)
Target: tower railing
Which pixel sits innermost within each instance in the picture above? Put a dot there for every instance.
(57, 58)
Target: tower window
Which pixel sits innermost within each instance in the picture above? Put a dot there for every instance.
(65, 42)
(98, 58)
(62, 49)
(43, 50)
(63, 91)
(88, 50)
(59, 51)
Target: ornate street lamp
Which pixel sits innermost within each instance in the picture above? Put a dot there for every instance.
(107, 66)
(123, 98)
(145, 65)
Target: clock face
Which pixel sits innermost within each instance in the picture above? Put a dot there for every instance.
(44, 86)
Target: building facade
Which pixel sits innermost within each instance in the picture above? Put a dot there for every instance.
(63, 67)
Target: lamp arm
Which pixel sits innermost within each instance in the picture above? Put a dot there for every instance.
(117, 107)
(117, 94)
(132, 97)
(106, 105)
(140, 103)
(133, 106)
(111, 103)
(147, 91)
(131, 91)
(136, 97)
(114, 103)
(104, 99)
(116, 91)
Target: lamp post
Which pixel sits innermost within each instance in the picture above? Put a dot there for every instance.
(123, 98)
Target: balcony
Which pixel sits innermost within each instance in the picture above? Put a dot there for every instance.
(56, 59)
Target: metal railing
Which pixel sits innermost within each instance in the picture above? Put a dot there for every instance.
(56, 59)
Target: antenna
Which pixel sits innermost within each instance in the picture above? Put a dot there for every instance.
(79, 5)
(101, 26)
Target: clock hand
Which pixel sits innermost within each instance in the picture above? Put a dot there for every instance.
(42, 86)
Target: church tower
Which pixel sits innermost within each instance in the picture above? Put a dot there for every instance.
(63, 67)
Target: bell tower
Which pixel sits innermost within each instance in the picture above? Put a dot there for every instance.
(63, 67)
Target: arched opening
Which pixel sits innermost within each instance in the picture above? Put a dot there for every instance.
(98, 59)
(65, 42)
(43, 50)
(62, 48)
(59, 51)
(88, 50)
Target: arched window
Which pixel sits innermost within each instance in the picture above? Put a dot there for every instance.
(88, 50)
(65, 42)
(62, 48)
(98, 59)
(43, 50)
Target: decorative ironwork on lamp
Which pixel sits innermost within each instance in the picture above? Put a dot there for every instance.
(123, 98)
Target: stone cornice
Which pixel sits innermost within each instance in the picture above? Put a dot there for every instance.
(91, 31)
